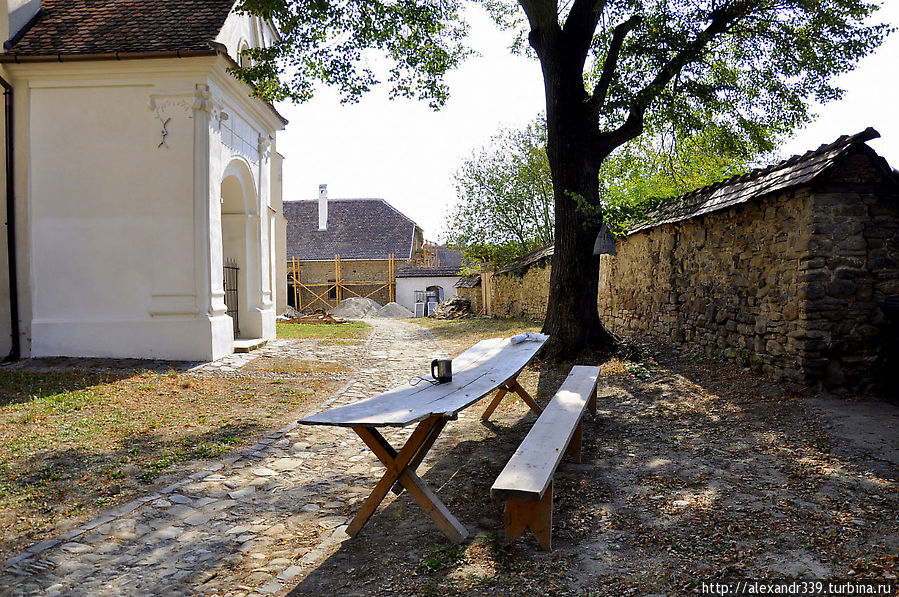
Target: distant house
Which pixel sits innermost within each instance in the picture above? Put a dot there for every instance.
(141, 173)
(339, 248)
(429, 284)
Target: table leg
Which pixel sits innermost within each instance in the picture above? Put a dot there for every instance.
(397, 464)
(422, 451)
(511, 385)
(500, 394)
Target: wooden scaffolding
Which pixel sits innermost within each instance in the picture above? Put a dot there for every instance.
(325, 295)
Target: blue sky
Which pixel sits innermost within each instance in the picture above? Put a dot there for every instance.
(405, 153)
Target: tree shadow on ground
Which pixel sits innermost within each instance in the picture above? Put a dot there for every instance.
(75, 484)
(19, 387)
(693, 471)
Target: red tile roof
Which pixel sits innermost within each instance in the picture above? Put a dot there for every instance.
(73, 27)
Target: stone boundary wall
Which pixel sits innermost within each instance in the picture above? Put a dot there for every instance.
(522, 295)
(793, 284)
(729, 282)
(475, 296)
(855, 241)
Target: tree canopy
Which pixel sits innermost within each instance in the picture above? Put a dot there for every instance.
(505, 201)
(505, 198)
(741, 67)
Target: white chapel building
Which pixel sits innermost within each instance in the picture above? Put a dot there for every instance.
(139, 175)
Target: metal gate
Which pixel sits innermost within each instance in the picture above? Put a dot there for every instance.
(231, 295)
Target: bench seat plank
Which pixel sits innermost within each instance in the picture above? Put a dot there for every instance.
(476, 372)
(529, 472)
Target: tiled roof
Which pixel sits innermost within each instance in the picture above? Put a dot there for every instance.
(531, 258)
(449, 257)
(357, 229)
(427, 272)
(472, 281)
(71, 27)
(797, 170)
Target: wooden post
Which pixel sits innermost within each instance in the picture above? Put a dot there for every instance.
(487, 292)
(337, 277)
(391, 278)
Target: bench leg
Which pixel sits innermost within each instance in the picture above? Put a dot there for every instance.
(574, 446)
(538, 516)
(591, 404)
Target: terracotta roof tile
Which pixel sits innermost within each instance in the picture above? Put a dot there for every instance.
(71, 27)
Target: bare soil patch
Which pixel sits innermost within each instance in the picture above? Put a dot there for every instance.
(694, 470)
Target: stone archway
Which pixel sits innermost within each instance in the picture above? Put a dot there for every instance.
(241, 249)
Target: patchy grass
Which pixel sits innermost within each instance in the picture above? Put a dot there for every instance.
(460, 334)
(72, 442)
(353, 330)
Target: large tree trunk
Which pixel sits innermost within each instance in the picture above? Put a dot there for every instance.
(574, 153)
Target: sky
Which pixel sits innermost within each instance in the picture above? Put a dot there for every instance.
(406, 153)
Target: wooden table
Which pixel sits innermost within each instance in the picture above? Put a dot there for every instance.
(487, 366)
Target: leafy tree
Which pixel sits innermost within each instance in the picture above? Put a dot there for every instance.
(608, 66)
(505, 207)
(660, 165)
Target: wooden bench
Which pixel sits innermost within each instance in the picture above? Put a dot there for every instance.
(526, 481)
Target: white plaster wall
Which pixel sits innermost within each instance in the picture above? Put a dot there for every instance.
(122, 240)
(239, 29)
(5, 325)
(406, 287)
(244, 141)
(280, 232)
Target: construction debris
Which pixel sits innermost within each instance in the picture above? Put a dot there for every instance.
(455, 307)
(289, 313)
(317, 317)
(393, 311)
(356, 308)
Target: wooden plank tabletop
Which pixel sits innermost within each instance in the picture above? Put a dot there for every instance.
(476, 372)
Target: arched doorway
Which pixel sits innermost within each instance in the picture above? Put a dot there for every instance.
(241, 260)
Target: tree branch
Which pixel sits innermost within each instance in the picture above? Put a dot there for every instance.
(581, 24)
(722, 19)
(598, 98)
(543, 21)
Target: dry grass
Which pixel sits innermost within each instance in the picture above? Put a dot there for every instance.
(72, 442)
(352, 330)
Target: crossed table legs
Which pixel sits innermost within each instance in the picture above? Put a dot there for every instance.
(401, 467)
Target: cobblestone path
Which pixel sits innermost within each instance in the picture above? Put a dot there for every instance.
(250, 523)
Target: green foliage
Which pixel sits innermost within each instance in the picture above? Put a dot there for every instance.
(505, 207)
(662, 165)
(335, 42)
(506, 204)
(440, 557)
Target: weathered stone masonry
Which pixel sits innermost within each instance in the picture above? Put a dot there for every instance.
(792, 283)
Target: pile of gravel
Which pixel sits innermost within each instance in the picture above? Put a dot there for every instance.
(393, 311)
(356, 308)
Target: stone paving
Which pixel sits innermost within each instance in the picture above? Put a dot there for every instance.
(251, 523)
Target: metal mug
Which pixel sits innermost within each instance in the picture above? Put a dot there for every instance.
(442, 370)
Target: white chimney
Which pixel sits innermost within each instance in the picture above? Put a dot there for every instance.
(322, 207)
(17, 14)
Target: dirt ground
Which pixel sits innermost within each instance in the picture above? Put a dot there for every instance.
(693, 470)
